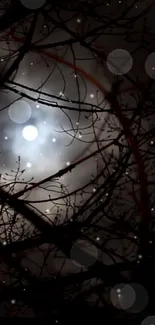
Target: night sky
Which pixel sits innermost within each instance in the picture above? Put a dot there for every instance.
(58, 63)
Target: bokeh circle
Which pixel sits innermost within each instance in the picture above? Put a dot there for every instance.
(19, 112)
(129, 297)
(33, 4)
(142, 298)
(150, 65)
(83, 253)
(119, 62)
(122, 296)
(150, 320)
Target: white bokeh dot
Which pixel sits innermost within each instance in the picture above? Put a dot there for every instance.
(119, 62)
(13, 301)
(4, 243)
(150, 65)
(29, 165)
(83, 253)
(150, 320)
(33, 4)
(19, 112)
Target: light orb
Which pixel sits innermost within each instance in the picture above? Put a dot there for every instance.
(119, 62)
(83, 253)
(150, 65)
(29, 165)
(19, 112)
(33, 4)
(30, 133)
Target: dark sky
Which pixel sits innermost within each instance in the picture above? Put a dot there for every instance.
(48, 81)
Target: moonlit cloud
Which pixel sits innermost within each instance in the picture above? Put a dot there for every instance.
(47, 144)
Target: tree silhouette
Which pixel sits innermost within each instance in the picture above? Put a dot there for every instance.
(90, 255)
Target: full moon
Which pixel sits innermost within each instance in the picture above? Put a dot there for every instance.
(30, 133)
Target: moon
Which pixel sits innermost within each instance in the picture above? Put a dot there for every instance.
(30, 133)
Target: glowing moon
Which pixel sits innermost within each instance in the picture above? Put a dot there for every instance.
(30, 133)
(19, 112)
